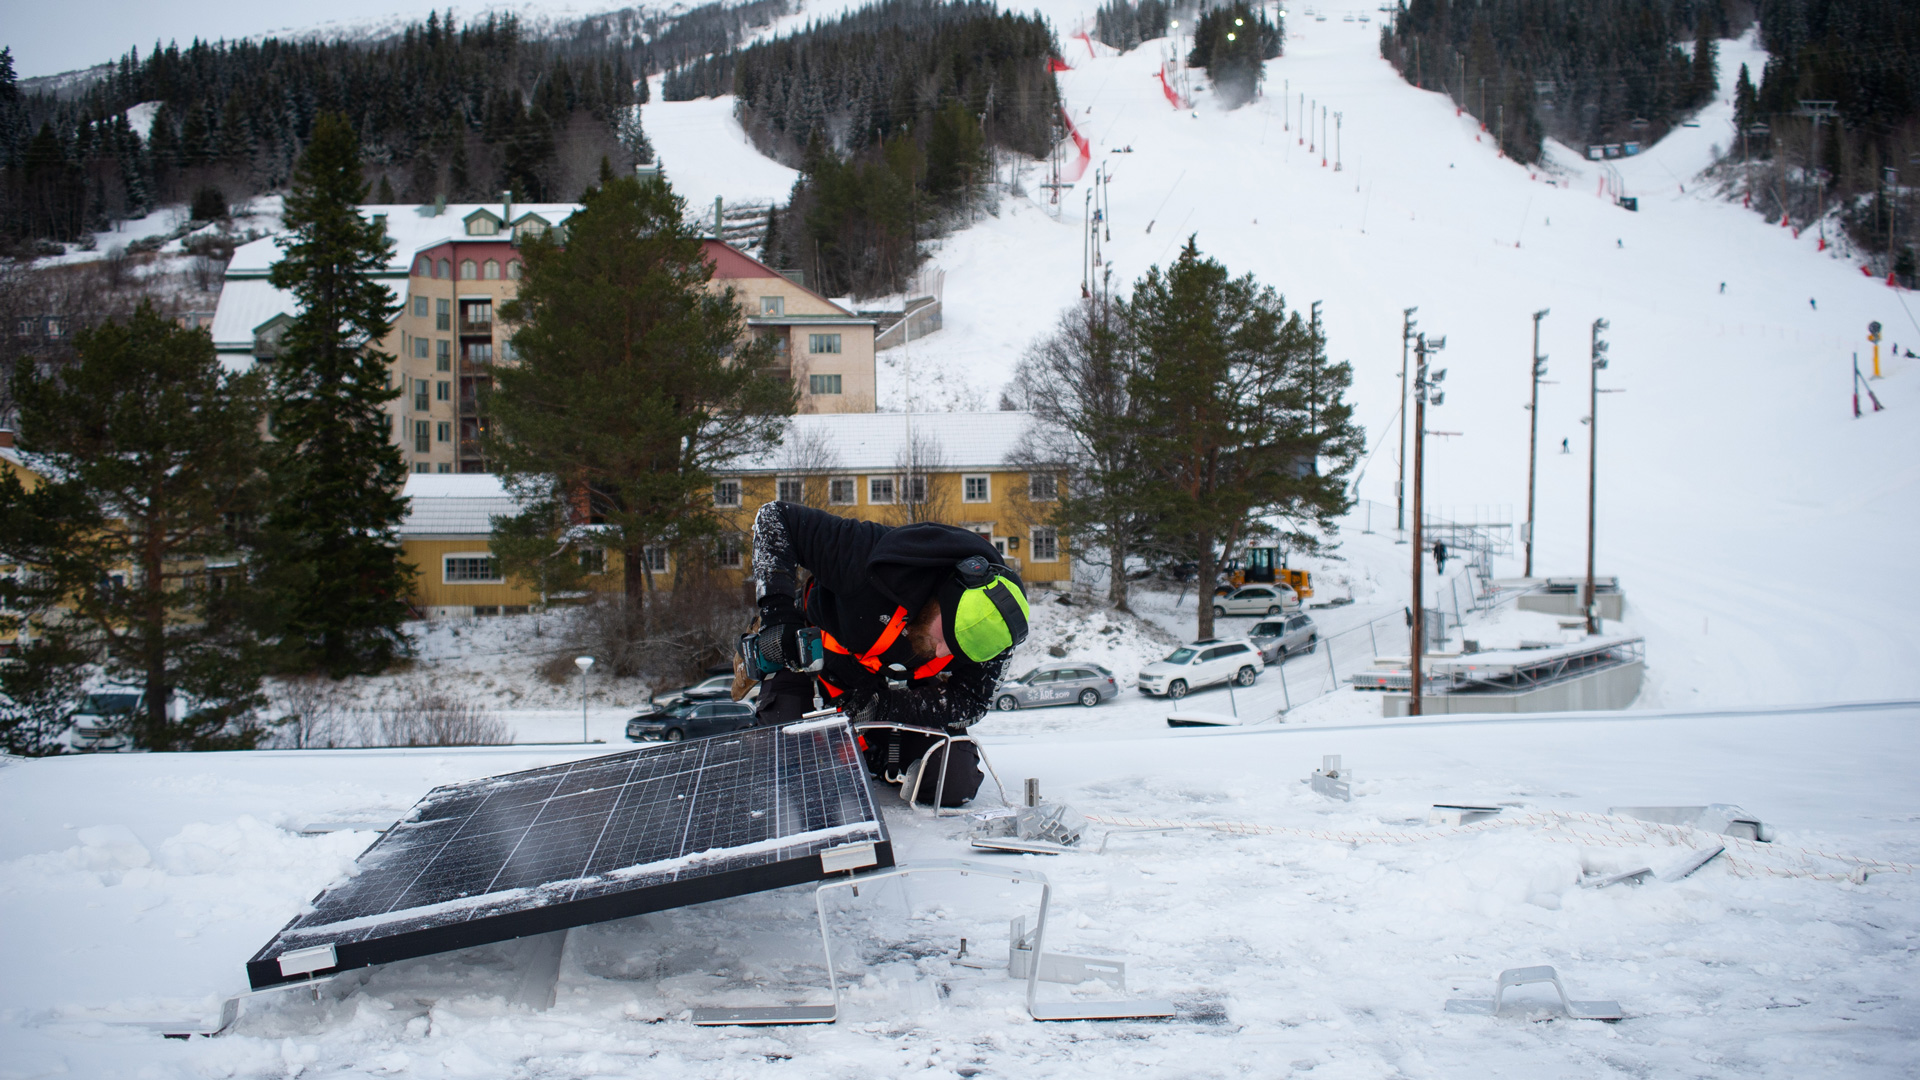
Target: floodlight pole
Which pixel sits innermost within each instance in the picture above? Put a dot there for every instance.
(1336, 157)
(583, 663)
(1593, 459)
(1400, 485)
(1422, 384)
(1533, 434)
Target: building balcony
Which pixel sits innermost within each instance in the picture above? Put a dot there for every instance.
(476, 328)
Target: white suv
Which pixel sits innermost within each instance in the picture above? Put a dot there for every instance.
(1257, 600)
(1202, 663)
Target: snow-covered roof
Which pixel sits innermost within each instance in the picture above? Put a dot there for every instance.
(454, 504)
(411, 227)
(245, 304)
(867, 442)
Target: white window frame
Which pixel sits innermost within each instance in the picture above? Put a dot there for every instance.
(872, 488)
(656, 558)
(726, 494)
(729, 552)
(1052, 496)
(1052, 536)
(907, 485)
(794, 494)
(489, 556)
(853, 491)
(986, 487)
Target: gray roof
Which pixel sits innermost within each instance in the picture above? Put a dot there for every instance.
(456, 504)
(877, 442)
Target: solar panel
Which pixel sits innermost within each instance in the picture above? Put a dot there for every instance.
(526, 853)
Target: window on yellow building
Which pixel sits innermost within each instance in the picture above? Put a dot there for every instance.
(727, 551)
(976, 489)
(841, 491)
(1042, 487)
(1045, 546)
(593, 560)
(469, 569)
(792, 490)
(726, 493)
(880, 490)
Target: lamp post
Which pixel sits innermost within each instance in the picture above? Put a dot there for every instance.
(584, 663)
(1593, 458)
(1533, 435)
(1424, 387)
(1336, 142)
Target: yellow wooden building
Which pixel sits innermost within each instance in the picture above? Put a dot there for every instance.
(961, 471)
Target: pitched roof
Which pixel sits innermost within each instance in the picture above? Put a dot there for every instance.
(454, 504)
(877, 442)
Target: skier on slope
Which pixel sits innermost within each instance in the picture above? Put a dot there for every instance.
(916, 622)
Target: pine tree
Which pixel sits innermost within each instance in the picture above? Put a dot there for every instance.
(336, 474)
(156, 454)
(1237, 411)
(632, 390)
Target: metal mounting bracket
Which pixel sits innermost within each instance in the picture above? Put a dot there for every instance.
(827, 1013)
(1575, 1010)
(947, 739)
(1330, 780)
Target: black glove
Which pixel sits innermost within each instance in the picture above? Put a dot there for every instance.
(780, 626)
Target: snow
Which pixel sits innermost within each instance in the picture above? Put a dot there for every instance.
(1760, 533)
(705, 154)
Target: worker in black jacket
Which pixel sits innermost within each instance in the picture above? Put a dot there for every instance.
(916, 620)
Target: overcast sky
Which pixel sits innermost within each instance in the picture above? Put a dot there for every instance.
(52, 36)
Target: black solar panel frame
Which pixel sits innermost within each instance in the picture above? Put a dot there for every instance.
(797, 864)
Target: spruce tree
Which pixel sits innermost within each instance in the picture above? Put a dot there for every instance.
(336, 557)
(1238, 414)
(633, 388)
(153, 454)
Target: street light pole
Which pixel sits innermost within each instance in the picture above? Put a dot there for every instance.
(1400, 485)
(1593, 459)
(1336, 155)
(1421, 387)
(583, 663)
(1533, 434)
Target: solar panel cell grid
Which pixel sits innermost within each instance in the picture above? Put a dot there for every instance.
(595, 839)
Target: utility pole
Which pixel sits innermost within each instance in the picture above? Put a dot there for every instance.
(1286, 95)
(1400, 485)
(1820, 112)
(1593, 460)
(1323, 136)
(1533, 435)
(1336, 167)
(1422, 385)
(1312, 108)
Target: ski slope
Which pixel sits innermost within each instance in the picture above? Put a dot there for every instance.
(1762, 535)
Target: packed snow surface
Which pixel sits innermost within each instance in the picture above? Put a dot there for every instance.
(1763, 537)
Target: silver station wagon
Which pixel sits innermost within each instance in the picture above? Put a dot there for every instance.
(1063, 683)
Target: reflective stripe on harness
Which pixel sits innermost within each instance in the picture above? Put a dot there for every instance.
(871, 658)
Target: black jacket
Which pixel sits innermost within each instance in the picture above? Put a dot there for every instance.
(863, 573)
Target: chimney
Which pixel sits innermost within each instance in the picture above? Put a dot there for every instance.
(717, 233)
(6, 439)
(507, 197)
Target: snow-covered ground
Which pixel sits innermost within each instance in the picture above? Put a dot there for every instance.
(1762, 535)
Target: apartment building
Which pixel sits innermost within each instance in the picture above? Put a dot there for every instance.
(452, 268)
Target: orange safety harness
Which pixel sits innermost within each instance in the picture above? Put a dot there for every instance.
(870, 659)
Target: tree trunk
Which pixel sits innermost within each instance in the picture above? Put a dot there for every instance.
(1203, 582)
(1117, 571)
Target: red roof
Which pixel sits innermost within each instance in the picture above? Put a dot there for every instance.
(730, 263)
